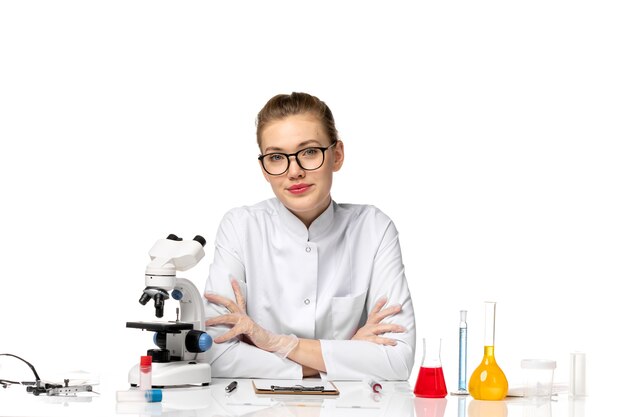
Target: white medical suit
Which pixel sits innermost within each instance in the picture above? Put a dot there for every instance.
(315, 283)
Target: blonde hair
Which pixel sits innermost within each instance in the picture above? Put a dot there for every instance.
(284, 105)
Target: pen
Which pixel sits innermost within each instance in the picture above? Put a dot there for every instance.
(231, 387)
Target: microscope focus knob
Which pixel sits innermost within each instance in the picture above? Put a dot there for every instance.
(160, 339)
(197, 341)
(159, 355)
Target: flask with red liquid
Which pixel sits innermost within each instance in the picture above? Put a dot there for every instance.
(430, 381)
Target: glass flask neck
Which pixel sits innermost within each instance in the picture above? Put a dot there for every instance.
(432, 349)
(490, 324)
(489, 355)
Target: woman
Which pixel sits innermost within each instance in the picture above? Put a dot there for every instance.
(299, 284)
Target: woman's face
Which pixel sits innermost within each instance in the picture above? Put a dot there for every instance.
(305, 193)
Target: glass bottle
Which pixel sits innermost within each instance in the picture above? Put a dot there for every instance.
(488, 382)
(430, 381)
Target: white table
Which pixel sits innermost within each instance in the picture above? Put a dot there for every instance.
(356, 399)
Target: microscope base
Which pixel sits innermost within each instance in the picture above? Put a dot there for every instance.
(172, 374)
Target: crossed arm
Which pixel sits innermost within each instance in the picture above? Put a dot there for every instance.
(306, 352)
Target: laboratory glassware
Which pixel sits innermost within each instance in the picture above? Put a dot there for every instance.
(538, 376)
(488, 381)
(577, 386)
(430, 380)
(145, 373)
(462, 389)
(145, 396)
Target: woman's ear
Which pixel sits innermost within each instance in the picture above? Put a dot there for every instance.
(265, 174)
(338, 155)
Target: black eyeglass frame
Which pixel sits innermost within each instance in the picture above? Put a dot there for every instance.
(295, 155)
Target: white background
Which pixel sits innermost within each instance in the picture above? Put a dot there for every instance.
(491, 133)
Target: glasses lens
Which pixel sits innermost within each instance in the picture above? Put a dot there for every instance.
(278, 163)
(311, 158)
(275, 163)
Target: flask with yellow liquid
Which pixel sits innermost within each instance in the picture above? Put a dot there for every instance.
(488, 382)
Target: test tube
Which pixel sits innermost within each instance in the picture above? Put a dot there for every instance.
(462, 389)
(375, 385)
(145, 373)
(147, 396)
(577, 386)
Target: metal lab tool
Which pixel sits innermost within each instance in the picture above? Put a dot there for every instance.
(69, 389)
(51, 389)
(176, 361)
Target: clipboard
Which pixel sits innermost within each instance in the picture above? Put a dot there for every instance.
(294, 387)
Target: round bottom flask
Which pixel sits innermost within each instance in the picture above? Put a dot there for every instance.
(488, 381)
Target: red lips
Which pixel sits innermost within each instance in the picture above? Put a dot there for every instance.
(299, 188)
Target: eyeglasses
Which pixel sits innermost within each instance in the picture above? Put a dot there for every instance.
(309, 159)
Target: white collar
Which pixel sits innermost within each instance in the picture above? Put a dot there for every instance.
(317, 228)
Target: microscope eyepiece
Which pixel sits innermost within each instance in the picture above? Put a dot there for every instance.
(200, 240)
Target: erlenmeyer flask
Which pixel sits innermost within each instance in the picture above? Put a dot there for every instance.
(488, 382)
(430, 381)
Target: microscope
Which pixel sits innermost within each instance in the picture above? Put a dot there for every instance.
(180, 343)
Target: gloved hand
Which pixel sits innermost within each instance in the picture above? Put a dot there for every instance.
(242, 324)
(373, 326)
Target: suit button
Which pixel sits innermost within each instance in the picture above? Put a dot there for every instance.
(308, 249)
(307, 301)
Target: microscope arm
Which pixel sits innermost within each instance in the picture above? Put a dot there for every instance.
(191, 303)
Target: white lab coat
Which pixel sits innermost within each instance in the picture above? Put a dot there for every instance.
(316, 283)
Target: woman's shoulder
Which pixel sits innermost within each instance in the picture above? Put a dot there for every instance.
(364, 212)
(266, 208)
(367, 220)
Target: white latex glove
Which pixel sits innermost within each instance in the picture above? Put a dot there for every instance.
(242, 324)
(373, 328)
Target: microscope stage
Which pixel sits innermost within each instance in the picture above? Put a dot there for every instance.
(159, 326)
